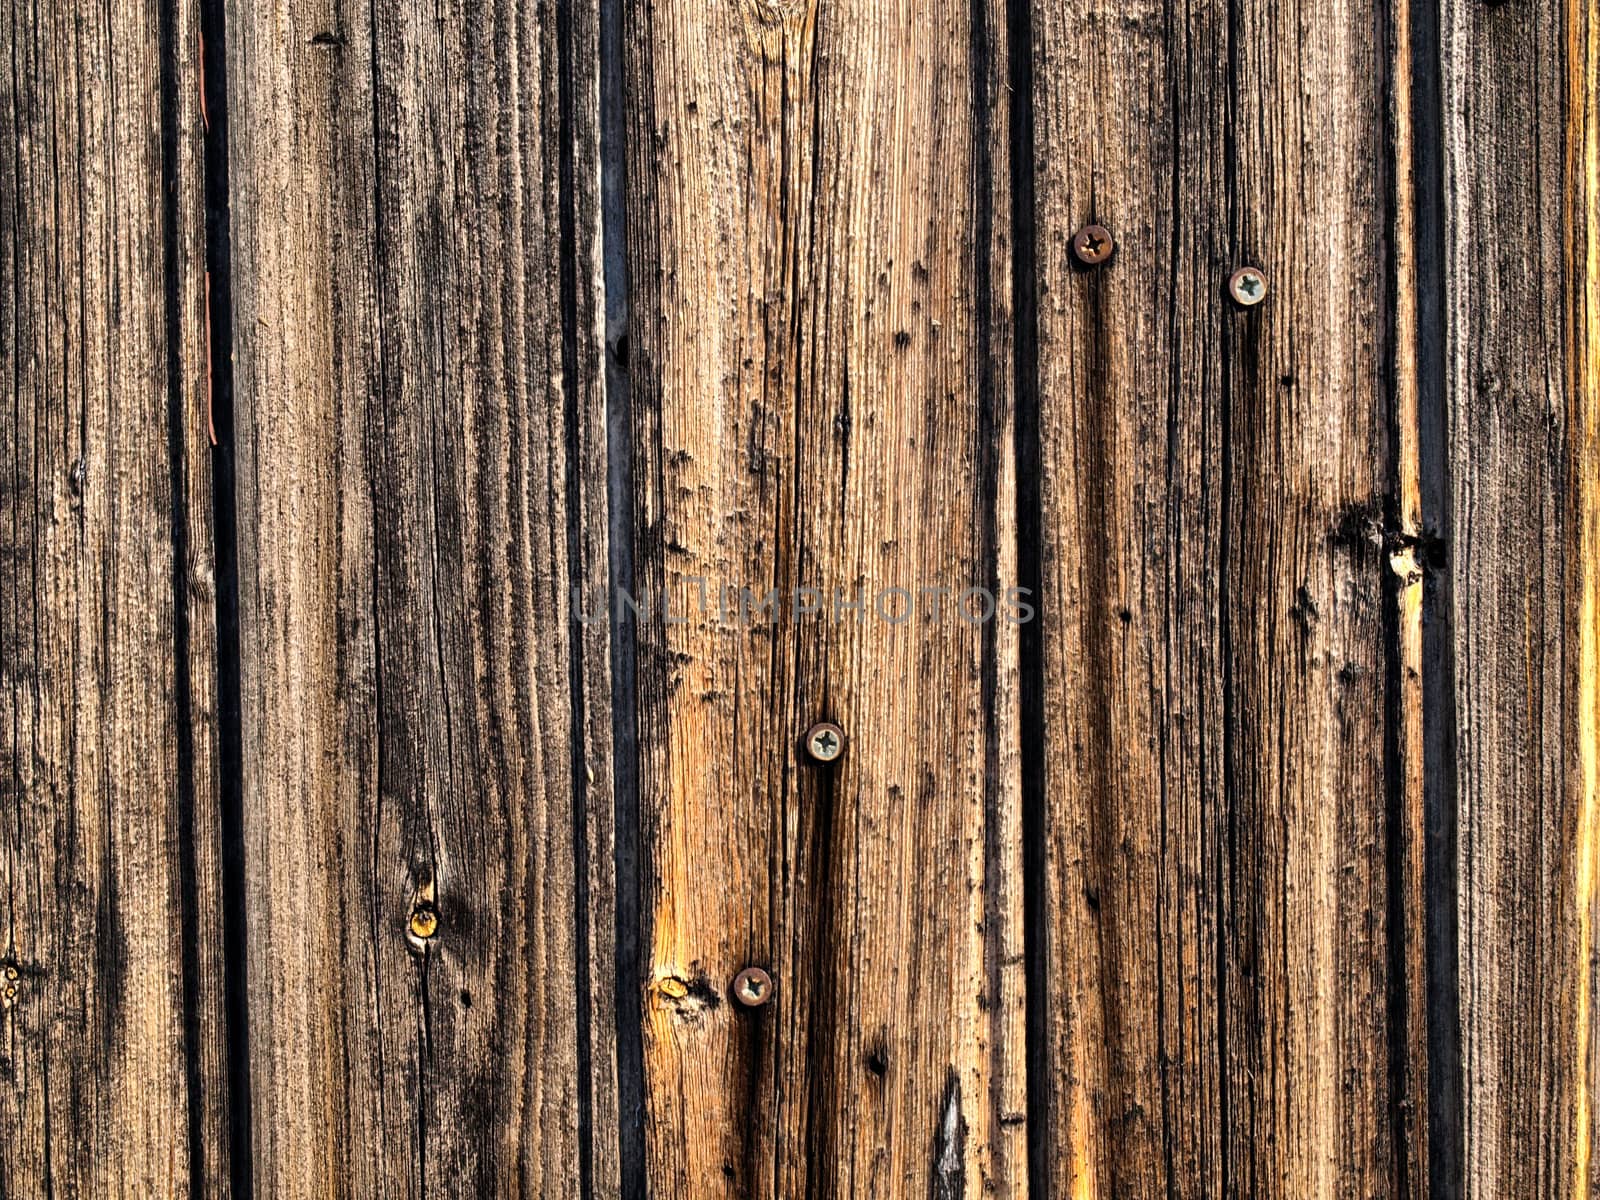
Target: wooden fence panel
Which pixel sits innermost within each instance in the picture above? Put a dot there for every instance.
(1521, 525)
(1227, 993)
(112, 1076)
(420, 438)
(1260, 861)
(818, 229)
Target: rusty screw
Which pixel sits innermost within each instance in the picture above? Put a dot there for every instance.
(824, 742)
(1248, 287)
(752, 987)
(1092, 245)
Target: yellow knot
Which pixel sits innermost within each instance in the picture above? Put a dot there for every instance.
(424, 923)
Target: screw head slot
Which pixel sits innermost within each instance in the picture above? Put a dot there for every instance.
(825, 742)
(1248, 287)
(752, 987)
(1092, 245)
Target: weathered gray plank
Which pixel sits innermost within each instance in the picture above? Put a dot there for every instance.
(820, 352)
(1520, 542)
(420, 435)
(111, 1044)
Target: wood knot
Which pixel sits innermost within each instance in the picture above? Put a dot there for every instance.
(689, 996)
(1403, 563)
(423, 922)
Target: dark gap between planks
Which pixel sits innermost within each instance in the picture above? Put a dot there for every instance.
(183, 679)
(624, 645)
(230, 745)
(1446, 1113)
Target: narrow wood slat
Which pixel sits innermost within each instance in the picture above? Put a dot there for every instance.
(1416, 1017)
(820, 351)
(420, 437)
(112, 1075)
(1217, 504)
(1522, 403)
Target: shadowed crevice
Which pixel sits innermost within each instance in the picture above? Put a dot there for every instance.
(1445, 1110)
(230, 752)
(624, 637)
(183, 678)
(567, 87)
(1030, 576)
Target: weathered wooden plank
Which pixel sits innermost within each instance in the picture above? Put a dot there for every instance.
(420, 437)
(1520, 487)
(820, 352)
(110, 995)
(1216, 483)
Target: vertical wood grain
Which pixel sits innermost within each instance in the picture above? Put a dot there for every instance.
(1520, 194)
(820, 354)
(1219, 510)
(1307, 574)
(421, 482)
(112, 1081)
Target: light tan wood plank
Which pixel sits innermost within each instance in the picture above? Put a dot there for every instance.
(820, 354)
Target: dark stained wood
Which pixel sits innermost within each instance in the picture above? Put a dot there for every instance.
(820, 353)
(420, 438)
(112, 1077)
(1522, 404)
(1218, 495)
